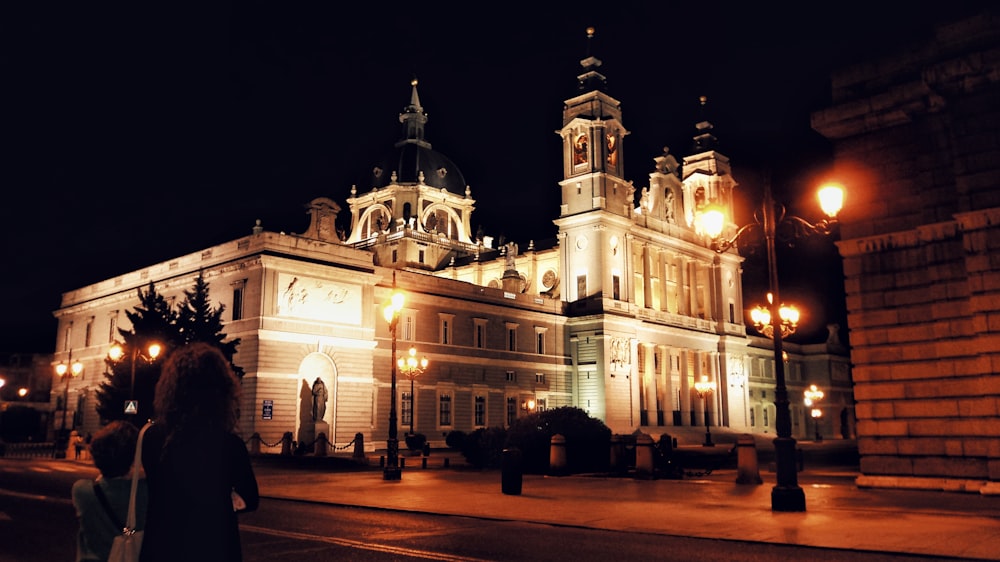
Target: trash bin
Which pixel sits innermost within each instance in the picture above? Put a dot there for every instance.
(510, 471)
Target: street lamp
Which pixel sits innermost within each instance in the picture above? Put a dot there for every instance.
(391, 312)
(116, 353)
(704, 387)
(786, 494)
(787, 314)
(66, 370)
(412, 368)
(813, 395)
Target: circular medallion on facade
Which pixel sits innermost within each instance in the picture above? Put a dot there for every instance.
(549, 279)
(581, 242)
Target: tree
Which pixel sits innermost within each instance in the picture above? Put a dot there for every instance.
(198, 321)
(154, 320)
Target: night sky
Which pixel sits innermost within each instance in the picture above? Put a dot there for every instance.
(137, 134)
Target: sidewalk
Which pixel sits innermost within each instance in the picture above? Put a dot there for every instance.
(838, 513)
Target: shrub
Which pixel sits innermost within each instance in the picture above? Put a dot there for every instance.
(587, 439)
(415, 441)
(483, 448)
(454, 439)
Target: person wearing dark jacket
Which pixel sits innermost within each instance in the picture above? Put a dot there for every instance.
(197, 469)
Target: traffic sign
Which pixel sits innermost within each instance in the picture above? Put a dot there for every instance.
(131, 406)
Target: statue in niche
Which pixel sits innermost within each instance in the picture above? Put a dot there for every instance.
(319, 399)
(668, 204)
(431, 224)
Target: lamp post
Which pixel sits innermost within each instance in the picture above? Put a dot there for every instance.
(786, 494)
(391, 312)
(116, 353)
(66, 370)
(704, 387)
(412, 368)
(812, 395)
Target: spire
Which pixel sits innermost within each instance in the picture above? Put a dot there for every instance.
(413, 119)
(704, 139)
(591, 79)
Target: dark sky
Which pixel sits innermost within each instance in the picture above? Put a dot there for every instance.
(137, 134)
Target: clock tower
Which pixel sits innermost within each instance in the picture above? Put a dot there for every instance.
(597, 203)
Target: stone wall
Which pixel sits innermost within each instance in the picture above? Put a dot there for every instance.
(918, 138)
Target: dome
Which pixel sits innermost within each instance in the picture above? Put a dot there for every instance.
(412, 160)
(408, 159)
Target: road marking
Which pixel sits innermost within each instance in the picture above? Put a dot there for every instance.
(362, 545)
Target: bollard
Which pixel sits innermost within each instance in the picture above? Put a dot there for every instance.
(747, 470)
(286, 444)
(617, 460)
(321, 444)
(359, 446)
(557, 455)
(427, 449)
(402, 462)
(510, 471)
(381, 461)
(255, 444)
(643, 455)
(447, 462)
(423, 462)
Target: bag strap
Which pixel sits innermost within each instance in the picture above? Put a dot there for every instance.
(106, 505)
(130, 523)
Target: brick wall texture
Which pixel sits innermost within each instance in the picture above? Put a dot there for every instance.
(917, 136)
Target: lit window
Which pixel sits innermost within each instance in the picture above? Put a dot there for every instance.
(406, 408)
(480, 411)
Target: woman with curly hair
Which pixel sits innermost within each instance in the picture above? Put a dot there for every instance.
(194, 462)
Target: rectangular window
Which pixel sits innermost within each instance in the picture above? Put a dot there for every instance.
(540, 341)
(395, 255)
(480, 336)
(581, 287)
(406, 409)
(237, 310)
(616, 287)
(511, 376)
(732, 313)
(540, 378)
(480, 411)
(766, 420)
(87, 332)
(113, 326)
(445, 324)
(420, 256)
(407, 332)
(511, 410)
(540, 405)
(67, 332)
(511, 337)
(444, 409)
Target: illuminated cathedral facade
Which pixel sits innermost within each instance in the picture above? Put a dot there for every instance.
(620, 315)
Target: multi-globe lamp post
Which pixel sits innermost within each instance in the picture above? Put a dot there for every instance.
(704, 388)
(66, 370)
(786, 495)
(811, 396)
(391, 311)
(117, 352)
(411, 367)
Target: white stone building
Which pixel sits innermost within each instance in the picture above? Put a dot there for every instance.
(619, 316)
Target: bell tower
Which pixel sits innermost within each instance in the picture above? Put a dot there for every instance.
(592, 135)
